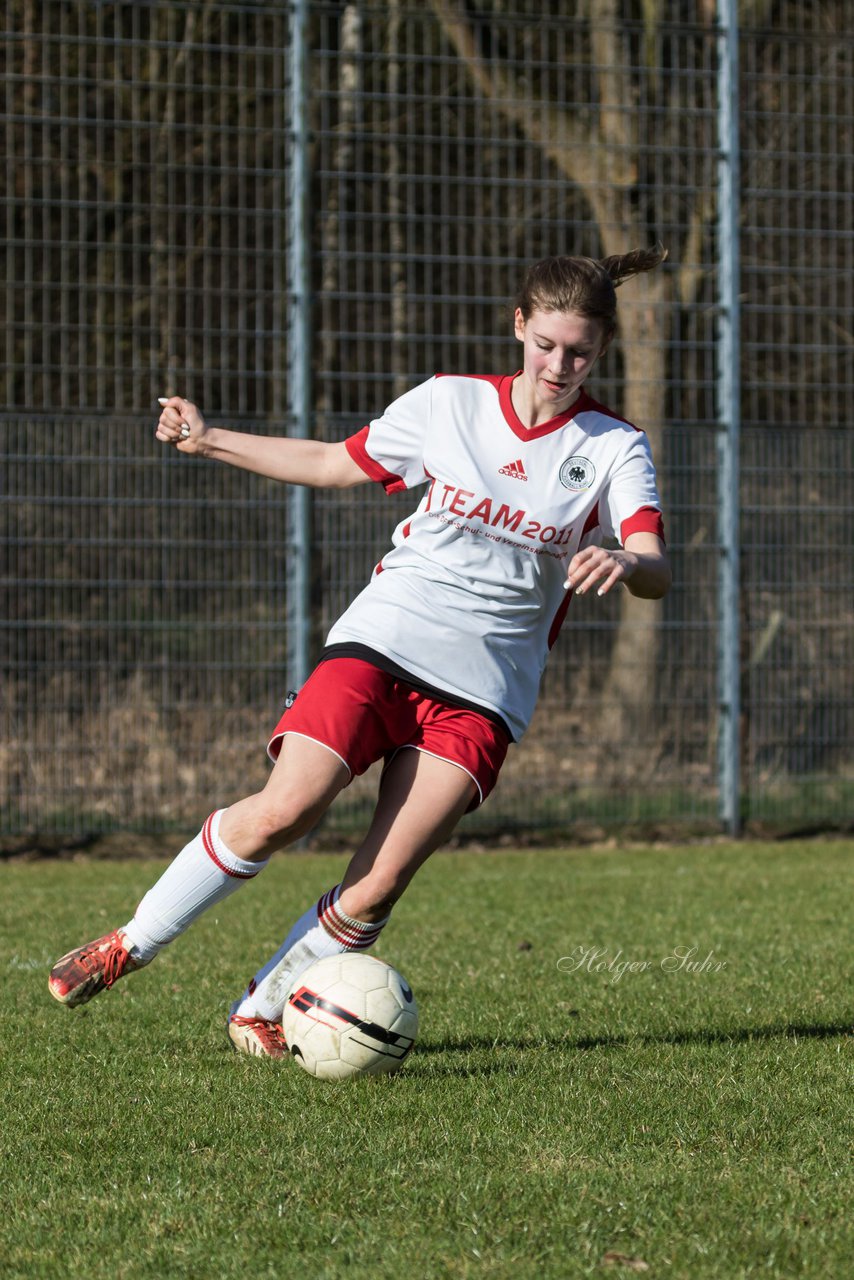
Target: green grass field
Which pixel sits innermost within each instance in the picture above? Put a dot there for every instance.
(556, 1119)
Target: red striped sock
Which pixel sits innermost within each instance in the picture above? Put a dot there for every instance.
(323, 930)
(352, 935)
(204, 873)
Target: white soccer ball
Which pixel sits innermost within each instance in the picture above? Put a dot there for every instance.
(350, 1015)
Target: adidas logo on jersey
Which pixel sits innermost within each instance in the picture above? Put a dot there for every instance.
(515, 469)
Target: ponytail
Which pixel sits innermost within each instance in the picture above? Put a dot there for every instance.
(584, 285)
(622, 266)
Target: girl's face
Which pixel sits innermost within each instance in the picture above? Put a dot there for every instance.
(560, 348)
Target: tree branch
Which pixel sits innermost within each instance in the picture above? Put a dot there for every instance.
(582, 155)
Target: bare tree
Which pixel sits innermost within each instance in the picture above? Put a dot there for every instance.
(599, 154)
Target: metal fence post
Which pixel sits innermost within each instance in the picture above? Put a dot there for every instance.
(299, 373)
(729, 419)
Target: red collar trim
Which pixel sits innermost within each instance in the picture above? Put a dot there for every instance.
(515, 423)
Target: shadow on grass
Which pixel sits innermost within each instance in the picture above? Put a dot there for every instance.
(707, 1036)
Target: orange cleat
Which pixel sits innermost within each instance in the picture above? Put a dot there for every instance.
(89, 970)
(257, 1036)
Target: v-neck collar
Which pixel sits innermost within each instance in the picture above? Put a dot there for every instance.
(516, 424)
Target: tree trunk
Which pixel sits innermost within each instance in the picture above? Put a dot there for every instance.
(630, 687)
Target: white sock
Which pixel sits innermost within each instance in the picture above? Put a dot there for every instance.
(204, 872)
(324, 930)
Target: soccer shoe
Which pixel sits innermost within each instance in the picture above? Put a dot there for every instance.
(256, 1036)
(84, 973)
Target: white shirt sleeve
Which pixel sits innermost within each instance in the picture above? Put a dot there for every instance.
(391, 448)
(631, 492)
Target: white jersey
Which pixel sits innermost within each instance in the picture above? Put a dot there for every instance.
(471, 598)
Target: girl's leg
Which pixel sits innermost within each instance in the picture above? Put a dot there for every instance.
(238, 843)
(421, 800)
(233, 846)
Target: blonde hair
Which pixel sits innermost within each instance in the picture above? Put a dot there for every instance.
(584, 285)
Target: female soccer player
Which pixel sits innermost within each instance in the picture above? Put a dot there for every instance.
(523, 476)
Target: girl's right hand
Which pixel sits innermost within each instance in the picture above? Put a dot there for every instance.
(181, 424)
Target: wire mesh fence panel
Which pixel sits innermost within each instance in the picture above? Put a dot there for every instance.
(147, 161)
(798, 380)
(142, 642)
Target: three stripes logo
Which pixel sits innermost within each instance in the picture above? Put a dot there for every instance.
(514, 469)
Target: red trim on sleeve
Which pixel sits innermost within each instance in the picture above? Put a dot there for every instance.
(356, 446)
(645, 520)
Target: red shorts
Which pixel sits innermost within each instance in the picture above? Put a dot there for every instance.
(363, 715)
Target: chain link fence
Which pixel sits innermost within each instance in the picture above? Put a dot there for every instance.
(143, 639)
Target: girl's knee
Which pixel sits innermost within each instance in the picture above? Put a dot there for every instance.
(263, 824)
(280, 825)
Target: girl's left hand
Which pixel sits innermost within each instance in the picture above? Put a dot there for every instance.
(599, 567)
